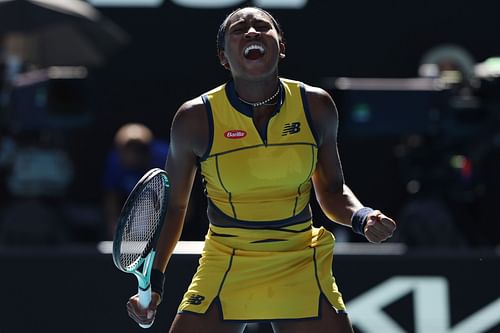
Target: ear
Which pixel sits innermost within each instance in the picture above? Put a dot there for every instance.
(223, 60)
(282, 50)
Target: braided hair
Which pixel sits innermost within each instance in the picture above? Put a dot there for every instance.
(221, 33)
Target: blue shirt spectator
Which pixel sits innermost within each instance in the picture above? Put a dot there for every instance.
(119, 177)
(135, 151)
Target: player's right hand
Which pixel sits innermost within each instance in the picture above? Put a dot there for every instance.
(140, 315)
(379, 227)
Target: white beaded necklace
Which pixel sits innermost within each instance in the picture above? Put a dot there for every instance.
(264, 102)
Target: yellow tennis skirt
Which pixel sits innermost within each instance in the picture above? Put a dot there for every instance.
(250, 283)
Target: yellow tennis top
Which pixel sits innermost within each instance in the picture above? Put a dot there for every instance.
(259, 178)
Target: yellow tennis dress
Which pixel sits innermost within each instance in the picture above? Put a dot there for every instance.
(263, 259)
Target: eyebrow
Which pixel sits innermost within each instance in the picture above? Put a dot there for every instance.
(256, 20)
(236, 22)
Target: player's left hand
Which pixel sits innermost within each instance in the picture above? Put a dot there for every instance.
(379, 227)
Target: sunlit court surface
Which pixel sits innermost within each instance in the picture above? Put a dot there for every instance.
(89, 91)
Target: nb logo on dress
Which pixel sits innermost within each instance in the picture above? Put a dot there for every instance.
(196, 299)
(291, 128)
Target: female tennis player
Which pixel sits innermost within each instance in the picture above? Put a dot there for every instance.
(263, 143)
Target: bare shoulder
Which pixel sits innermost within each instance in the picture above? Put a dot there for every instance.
(190, 125)
(189, 112)
(320, 99)
(323, 110)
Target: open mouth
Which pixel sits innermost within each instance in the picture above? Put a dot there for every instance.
(254, 51)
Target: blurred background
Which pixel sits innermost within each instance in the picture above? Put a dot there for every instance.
(88, 91)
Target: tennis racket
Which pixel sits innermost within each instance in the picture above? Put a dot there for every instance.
(138, 228)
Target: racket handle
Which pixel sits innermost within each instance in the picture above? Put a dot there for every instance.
(144, 300)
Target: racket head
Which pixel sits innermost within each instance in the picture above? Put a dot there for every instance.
(141, 220)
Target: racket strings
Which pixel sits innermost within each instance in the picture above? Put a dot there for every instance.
(142, 222)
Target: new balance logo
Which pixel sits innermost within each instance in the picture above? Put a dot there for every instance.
(291, 128)
(196, 299)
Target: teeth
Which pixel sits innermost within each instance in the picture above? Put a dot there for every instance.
(254, 47)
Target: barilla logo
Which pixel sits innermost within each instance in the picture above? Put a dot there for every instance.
(235, 134)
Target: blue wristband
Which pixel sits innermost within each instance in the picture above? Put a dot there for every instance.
(359, 219)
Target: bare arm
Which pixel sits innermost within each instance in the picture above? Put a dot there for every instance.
(335, 198)
(188, 139)
(186, 144)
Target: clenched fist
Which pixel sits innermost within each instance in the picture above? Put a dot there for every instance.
(379, 227)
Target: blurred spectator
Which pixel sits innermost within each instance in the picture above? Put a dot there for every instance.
(7, 153)
(427, 223)
(38, 174)
(135, 151)
(39, 169)
(15, 53)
